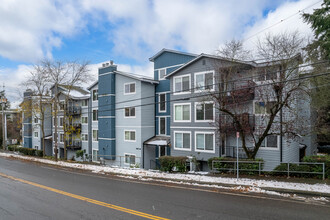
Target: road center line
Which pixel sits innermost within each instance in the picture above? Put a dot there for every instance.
(96, 202)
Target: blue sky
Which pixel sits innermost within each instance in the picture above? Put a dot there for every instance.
(130, 31)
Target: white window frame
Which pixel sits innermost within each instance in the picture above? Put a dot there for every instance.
(271, 148)
(129, 154)
(97, 135)
(163, 93)
(83, 101)
(83, 120)
(83, 135)
(129, 112)
(204, 132)
(195, 82)
(130, 93)
(159, 126)
(208, 102)
(130, 135)
(97, 95)
(182, 132)
(159, 73)
(176, 104)
(94, 155)
(97, 118)
(59, 121)
(254, 108)
(36, 119)
(182, 93)
(34, 135)
(59, 137)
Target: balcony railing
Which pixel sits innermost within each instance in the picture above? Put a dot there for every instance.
(73, 144)
(246, 120)
(73, 110)
(242, 91)
(231, 151)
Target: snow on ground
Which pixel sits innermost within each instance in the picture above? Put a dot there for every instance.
(194, 178)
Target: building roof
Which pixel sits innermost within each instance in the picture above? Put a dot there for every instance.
(94, 84)
(138, 77)
(170, 51)
(76, 92)
(158, 141)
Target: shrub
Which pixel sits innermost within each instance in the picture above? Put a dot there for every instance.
(80, 153)
(226, 165)
(39, 153)
(11, 148)
(27, 151)
(167, 163)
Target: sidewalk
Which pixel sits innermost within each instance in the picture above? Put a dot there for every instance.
(272, 187)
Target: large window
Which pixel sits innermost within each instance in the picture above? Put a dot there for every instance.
(162, 102)
(84, 137)
(182, 84)
(262, 108)
(161, 74)
(182, 112)
(129, 112)
(61, 138)
(129, 88)
(61, 121)
(204, 141)
(95, 94)
(129, 135)
(182, 140)
(94, 152)
(84, 120)
(95, 135)
(267, 74)
(270, 142)
(162, 125)
(95, 115)
(204, 81)
(129, 159)
(36, 134)
(84, 102)
(204, 111)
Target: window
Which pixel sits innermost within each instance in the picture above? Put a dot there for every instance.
(204, 81)
(129, 135)
(129, 112)
(95, 115)
(161, 74)
(84, 102)
(61, 138)
(84, 137)
(162, 125)
(95, 95)
(84, 120)
(270, 142)
(182, 140)
(36, 121)
(129, 159)
(94, 153)
(36, 134)
(95, 135)
(61, 105)
(181, 112)
(262, 108)
(204, 111)
(182, 84)
(61, 121)
(269, 73)
(129, 88)
(162, 102)
(204, 141)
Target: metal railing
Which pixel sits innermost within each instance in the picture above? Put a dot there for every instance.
(231, 166)
(291, 168)
(120, 161)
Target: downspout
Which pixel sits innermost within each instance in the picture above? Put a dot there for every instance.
(281, 136)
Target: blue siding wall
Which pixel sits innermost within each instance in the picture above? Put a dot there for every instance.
(106, 107)
(171, 59)
(27, 142)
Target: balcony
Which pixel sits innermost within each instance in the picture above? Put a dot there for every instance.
(73, 110)
(73, 144)
(246, 120)
(241, 92)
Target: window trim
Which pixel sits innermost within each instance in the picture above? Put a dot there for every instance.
(205, 132)
(271, 148)
(130, 136)
(203, 73)
(129, 112)
(130, 154)
(82, 103)
(97, 97)
(182, 132)
(187, 103)
(182, 93)
(97, 118)
(59, 138)
(258, 114)
(97, 138)
(129, 93)
(82, 120)
(82, 136)
(59, 121)
(159, 126)
(165, 69)
(207, 102)
(34, 134)
(159, 94)
(96, 154)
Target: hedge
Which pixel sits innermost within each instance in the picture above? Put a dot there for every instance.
(228, 165)
(26, 151)
(167, 163)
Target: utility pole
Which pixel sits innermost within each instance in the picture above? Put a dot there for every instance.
(3, 104)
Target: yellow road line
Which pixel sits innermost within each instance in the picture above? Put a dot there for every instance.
(96, 202)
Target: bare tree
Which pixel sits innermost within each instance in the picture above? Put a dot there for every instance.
(273, 85)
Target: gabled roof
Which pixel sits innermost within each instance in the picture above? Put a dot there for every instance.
(138, 77)
(75, 92)
(94, 84)
(170, 51)
(212, 57)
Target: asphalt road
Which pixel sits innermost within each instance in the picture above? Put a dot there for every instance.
(34, 191)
